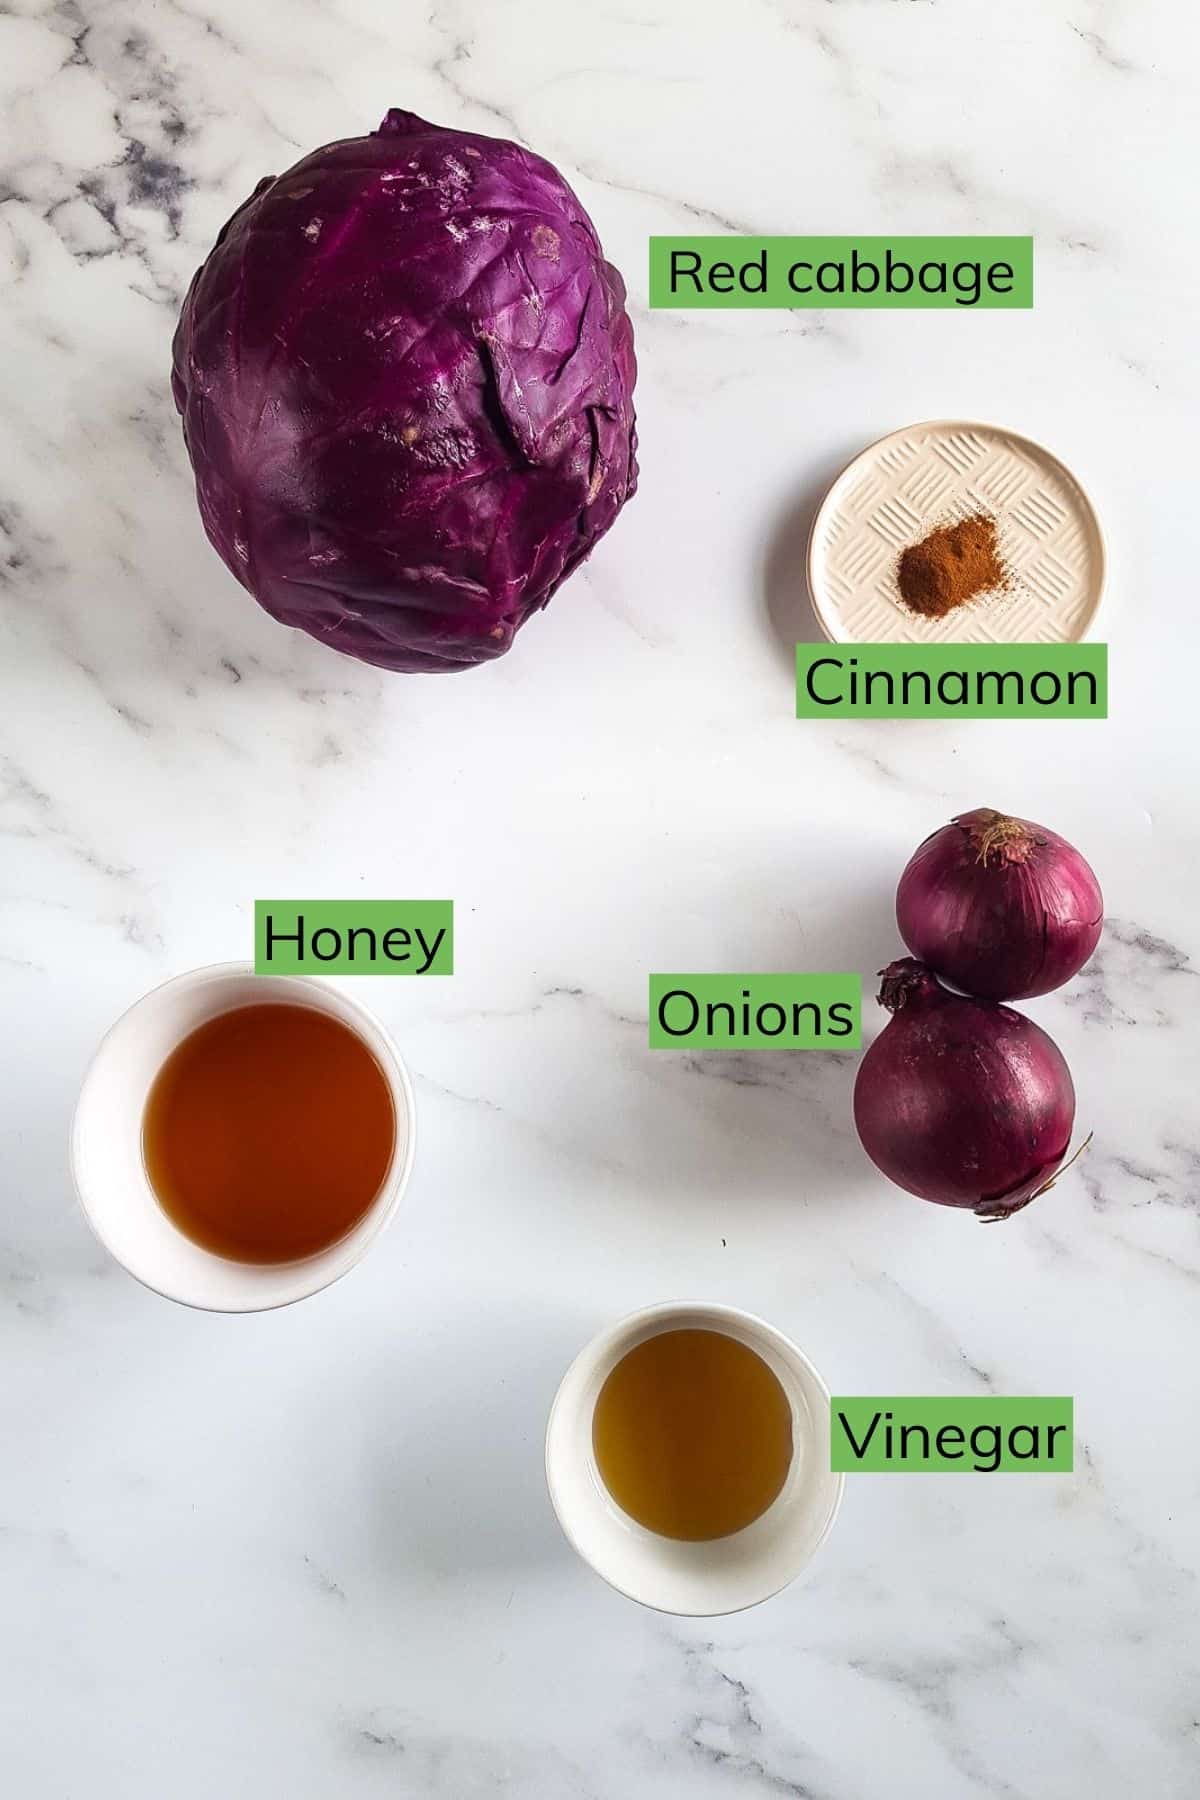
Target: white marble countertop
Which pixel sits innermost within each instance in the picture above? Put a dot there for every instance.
(311, 1553)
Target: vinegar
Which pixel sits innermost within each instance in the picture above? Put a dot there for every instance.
(268, 1132)
(692, 1434)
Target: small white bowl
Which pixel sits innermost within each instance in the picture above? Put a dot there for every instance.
(106, 1144)
(722, 1575)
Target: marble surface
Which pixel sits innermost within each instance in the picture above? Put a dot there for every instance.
(311, 1553)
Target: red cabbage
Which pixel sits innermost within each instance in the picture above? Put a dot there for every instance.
(406, 378)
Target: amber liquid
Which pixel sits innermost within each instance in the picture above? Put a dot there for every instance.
(268, 1133)
(692, 1434)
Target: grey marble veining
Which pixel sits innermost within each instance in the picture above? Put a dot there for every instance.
(312, 1553)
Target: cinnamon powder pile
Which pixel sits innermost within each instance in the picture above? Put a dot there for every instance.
(951, 566)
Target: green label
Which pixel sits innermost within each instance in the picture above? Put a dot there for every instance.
(952, 681)
(755, 1012)
(913, 1434)
(979, 272)
(354, 937)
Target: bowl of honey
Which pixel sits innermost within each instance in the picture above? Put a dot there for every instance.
(241, 1140)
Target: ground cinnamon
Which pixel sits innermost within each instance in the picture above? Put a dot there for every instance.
(951, 566)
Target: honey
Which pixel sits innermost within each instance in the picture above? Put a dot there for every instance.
(268, 1132)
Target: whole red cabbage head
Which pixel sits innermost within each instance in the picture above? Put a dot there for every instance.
(406, 380)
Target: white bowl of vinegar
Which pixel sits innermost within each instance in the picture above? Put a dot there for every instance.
(687, 1457)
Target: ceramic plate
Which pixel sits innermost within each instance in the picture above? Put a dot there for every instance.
(909, 483)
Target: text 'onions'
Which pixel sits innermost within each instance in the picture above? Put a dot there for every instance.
(962, 1102)
(1002, 908)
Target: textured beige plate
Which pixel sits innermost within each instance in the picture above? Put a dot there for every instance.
(904, 486)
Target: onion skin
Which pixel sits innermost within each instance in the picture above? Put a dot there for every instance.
(1000, 907)
(962, 1102)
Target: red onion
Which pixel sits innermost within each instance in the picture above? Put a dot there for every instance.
(962, 1102)
(1002, 908)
